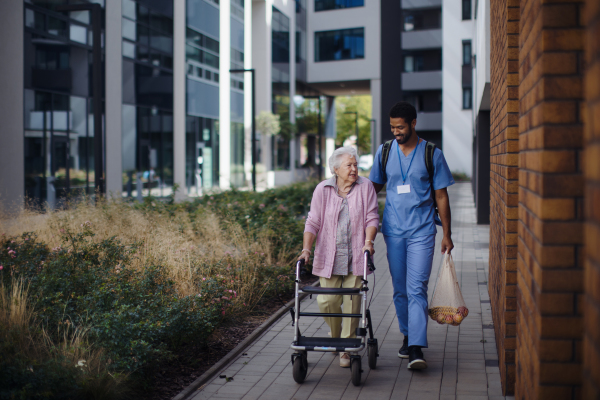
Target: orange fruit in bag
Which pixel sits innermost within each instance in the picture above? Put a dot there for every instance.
(457, 318)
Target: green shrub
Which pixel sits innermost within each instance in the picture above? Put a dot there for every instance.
(136, 306)
(136, 316)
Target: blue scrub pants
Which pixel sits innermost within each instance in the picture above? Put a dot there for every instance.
(410, 266)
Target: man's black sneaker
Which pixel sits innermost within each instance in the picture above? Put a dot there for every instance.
(415, 358)
(403, 352)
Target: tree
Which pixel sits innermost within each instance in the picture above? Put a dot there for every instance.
(307, 116)
(346, 122)
(268, 123)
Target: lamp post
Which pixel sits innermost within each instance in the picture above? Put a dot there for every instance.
(355, 125)
(96, 17)
(251, 70)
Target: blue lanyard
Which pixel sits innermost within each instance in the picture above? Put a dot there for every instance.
(411, 160)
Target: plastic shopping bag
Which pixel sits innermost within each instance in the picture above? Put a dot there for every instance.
(447, 305)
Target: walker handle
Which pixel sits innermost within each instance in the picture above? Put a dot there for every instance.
(370, 264)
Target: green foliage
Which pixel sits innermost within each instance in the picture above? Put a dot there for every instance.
(460, 177)
(136, 315)
(346, 123)
(276, 213)
(268, 123)
(307, 116)
(288, 129)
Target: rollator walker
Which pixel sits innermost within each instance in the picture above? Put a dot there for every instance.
(303, 344)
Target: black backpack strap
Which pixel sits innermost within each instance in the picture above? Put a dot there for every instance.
(429, 150)
(385, 154)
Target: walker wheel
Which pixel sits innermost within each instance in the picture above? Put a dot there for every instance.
(355, 366)
(305, 359)
(300, 368)
(372, 355)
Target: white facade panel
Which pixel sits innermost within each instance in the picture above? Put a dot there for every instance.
(481, 48)
(179, 96)
(12, 176)
(367, 17)
(114, 91)
(457, 127)
(224, 97)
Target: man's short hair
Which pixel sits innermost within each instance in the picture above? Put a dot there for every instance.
(404, 110)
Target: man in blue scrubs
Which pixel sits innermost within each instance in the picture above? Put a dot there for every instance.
(409, 227)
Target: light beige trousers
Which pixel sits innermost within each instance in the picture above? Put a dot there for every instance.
(333, 304)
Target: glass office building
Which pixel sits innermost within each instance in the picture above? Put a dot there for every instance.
(147, 136)
(58, 119)
(280, 77)
(202, 49)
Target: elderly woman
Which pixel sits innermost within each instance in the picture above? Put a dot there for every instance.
(343, 218)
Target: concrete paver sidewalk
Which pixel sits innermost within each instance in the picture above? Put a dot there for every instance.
(463, 362)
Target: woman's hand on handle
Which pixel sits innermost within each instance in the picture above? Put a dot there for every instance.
(307, 244)
(305, 255)
(370, 234)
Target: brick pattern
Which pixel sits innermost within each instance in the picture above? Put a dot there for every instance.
(591, 167)
(550, 195)
(504, 174)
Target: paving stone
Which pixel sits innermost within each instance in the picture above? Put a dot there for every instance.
(457, 356)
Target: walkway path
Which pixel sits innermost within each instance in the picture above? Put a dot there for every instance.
(463, 362)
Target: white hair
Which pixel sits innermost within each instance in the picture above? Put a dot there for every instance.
(336, 158)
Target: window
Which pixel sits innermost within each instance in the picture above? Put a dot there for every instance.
(424, 100)
(423, 60)
(467, 98)
(346, 44)
(148, 34)
(422, 20)
(323, 5)
(280, 41)
(466, 9)
(466, 52)
(409, 64)
(197, 46)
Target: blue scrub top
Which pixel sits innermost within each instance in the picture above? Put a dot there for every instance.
(410, 215)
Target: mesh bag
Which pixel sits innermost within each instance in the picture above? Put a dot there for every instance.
(447, 305)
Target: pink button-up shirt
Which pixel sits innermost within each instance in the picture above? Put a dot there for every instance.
(323, 219)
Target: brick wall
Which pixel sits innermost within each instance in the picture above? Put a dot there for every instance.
(504, 149)
(550, 227)
(591, 338)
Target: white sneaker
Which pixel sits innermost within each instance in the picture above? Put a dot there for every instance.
(344, 360)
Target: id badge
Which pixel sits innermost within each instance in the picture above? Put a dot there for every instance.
(403, 189)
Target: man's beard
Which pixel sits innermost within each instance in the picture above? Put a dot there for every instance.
(407, 137)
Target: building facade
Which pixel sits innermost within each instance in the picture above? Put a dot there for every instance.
(544, 274)
(173, 116)
(433, 72)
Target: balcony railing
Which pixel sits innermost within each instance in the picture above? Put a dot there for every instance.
(425, 80)
(426, 39)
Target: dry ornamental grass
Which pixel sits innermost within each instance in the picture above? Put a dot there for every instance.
(211, 260)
